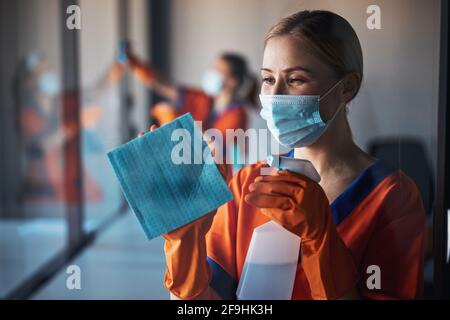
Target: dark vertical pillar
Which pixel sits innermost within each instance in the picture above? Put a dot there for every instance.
(159, 42)
(10, 151)
(441, 266)
(159, 25)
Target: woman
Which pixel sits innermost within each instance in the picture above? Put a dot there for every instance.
(362, 214)
(227, 88)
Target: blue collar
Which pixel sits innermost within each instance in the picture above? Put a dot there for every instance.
(358, 190)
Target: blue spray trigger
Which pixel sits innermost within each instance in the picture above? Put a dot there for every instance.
(299, 166)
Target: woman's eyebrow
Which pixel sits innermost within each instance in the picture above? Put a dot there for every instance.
(287, 70)
(296, 68)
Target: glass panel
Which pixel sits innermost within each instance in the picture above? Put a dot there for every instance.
(102, 124)
(32, 212)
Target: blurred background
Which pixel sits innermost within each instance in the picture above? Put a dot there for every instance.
(65, 102)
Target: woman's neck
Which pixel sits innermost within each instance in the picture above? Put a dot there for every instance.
(335, 154)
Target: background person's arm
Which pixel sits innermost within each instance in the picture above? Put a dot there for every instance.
(148, 76)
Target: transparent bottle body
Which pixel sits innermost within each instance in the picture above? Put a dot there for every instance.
(271, 264)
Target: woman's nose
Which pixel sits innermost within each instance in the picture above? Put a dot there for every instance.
(278, 88)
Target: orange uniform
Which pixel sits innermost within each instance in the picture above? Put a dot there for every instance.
(379, 217)
(195, 101)
(200, 105)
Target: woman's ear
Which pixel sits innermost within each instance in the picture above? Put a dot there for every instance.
(351, 84)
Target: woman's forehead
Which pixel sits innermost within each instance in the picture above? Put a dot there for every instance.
(286, 52)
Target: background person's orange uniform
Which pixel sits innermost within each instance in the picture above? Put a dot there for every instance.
(221, 108)
(201, 106)
(195, 101)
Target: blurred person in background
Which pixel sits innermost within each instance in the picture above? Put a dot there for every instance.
(229, 92)
(38, 95)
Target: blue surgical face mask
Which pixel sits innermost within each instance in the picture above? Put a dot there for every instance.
(212, 82)
(294, 120)
(48, 83)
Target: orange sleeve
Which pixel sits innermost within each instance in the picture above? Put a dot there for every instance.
(221, 245)
(194, 101)
(188, 100)
(142, 71)
(396, 246)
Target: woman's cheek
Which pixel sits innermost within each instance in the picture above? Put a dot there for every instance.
(327, 109)
(302, 89)
(265, 89)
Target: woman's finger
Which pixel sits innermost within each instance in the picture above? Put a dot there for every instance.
(261, 200)
(210, 145)
(141, 133)
(153, 127)
(286, 176)
(281, 188)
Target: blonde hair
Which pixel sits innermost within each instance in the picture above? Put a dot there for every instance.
(330, 37)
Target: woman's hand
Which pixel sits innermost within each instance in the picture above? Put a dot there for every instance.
(300, 205)
(296, 202)
(152, 127)
(187, 273)
(200, 226)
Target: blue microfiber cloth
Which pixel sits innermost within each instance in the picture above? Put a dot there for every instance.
(165, 195)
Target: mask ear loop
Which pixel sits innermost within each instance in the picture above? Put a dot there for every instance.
(340, 107)
(330, 90)
(336, 113)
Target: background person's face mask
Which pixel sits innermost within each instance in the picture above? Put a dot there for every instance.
(48, 83)
(294, 120)
(212, 82)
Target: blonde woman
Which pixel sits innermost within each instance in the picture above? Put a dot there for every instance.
(363, 212)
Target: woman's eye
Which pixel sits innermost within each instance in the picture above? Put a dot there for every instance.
(268, 80)
(296, 80)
